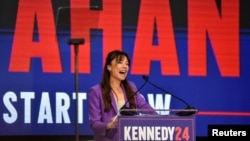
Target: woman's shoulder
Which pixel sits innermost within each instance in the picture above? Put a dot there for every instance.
(132, 84)
(95, 90)
(95, 87)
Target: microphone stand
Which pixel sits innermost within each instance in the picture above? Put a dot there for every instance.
(76, 42)
(124, 110)
(189, 110)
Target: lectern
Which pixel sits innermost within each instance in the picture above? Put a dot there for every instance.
(144, 127)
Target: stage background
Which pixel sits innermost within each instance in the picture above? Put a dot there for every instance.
(198, 51)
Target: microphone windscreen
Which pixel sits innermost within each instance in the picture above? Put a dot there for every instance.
(145, 77)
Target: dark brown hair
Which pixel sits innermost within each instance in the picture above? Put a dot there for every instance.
(105, 83)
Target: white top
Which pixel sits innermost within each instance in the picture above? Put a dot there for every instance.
(120, 103)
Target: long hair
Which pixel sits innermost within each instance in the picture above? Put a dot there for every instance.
(105, 83)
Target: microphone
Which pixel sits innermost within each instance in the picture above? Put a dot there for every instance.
(189, 110)
(124, 110)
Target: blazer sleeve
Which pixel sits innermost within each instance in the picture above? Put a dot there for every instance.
(95, 111)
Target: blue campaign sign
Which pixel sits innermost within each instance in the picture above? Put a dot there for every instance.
(167, 128)
(196, 50)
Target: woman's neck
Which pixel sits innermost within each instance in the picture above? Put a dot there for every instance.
(115, 84)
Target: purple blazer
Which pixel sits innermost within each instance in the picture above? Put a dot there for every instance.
(99, 119)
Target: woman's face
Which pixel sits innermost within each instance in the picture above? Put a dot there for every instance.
(119, 68)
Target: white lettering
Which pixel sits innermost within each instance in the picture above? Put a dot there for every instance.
(217, 132)
(81, 97)
(127, 133)
(45, 112)
(157, 133)
(171, 132)
(27, 96)
(150, 133)
(10, 117)
(62, 106)
(134, 133)
(140, 133)
(158, 102)
(164, 133)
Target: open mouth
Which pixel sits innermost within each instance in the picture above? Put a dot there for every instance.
(122, 72)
